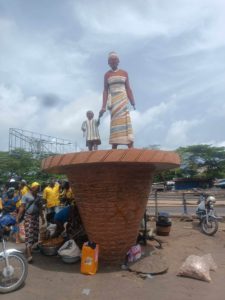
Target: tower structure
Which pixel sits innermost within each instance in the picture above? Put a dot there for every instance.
(38, 144)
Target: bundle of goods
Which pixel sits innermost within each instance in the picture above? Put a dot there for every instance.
(69, 252)
(51, 246)
(198, 267)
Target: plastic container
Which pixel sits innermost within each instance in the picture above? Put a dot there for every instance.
(89, 258)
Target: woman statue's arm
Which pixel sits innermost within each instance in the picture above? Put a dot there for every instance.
(105, 96)
(129, 92)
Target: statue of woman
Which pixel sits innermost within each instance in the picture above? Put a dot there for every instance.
(116, 95)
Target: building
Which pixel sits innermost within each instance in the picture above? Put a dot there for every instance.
(192, 183)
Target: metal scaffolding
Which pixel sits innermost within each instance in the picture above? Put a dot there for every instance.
(37, 143)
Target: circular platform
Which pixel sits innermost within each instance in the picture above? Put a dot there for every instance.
(155, 159)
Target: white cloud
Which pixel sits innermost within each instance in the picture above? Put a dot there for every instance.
(179, 132)
(38, 63)
(168, 47)
(153, 117)
(154, 18)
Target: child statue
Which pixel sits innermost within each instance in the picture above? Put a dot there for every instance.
(90, 130)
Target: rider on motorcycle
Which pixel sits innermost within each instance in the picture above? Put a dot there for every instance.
(8, 212)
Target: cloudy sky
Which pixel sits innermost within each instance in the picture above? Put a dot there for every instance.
(53, 56)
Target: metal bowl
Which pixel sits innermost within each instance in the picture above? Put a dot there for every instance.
(49, 250)
(70, 260)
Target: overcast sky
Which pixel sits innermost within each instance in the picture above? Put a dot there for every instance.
(53, 56)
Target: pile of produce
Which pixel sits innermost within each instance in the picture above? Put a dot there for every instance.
(54, 242)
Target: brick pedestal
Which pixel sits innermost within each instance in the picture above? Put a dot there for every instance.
(111, 190)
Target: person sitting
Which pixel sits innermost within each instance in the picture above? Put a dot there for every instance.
(61, 218)
(8, 204)
(70, 217)
(9, 200)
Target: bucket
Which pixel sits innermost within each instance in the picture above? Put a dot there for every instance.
(163, 229)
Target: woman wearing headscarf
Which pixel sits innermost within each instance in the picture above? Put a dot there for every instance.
(116, 95)
(31, 207)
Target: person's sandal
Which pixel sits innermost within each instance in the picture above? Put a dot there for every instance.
(30, 259)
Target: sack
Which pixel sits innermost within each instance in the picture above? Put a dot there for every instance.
(196, 267)
(89, 258)
(134, 253)
(70, 248)
(210, 261)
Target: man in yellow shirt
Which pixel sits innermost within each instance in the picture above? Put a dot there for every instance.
(51, 195)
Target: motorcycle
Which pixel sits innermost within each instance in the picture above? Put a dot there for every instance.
(13, 265)
(206, 214)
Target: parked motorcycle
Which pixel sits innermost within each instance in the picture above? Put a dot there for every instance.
(206, 214)
(13, 266)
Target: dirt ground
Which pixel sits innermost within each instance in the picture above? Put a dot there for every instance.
(49, 278)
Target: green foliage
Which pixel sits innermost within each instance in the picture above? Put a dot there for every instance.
(202, 161)
(22, 164)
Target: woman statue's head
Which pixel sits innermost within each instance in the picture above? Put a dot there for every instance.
(113, 60)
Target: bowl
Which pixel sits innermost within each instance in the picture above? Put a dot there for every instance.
(49, 250)
(70, 259)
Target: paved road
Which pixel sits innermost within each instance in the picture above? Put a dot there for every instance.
(179, 210)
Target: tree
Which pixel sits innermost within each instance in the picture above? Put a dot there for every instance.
(21, 164)
(204, 161)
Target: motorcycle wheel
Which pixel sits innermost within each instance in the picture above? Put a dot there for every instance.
(210, 227)
(13, 277)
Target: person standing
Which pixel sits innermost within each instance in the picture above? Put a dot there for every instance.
(66, 195)
(51, 196)
(31, 207)
(90, 130)
(118, 93)
(23, 189)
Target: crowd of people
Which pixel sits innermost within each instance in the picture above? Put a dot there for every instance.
(20, 202)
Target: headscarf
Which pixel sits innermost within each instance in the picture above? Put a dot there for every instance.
(35, 184)
(113, 54)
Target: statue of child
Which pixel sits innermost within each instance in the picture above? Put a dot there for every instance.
(90, 130)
